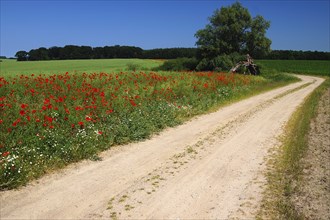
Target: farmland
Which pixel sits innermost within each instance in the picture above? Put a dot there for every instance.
(49, 120)
(311, 67)
(12, 67)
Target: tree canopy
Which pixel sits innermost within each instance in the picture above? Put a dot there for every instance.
(233, 30)
(22, 55)
(106, 52)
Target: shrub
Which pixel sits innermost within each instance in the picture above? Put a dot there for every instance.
(204, 64)
(179, 64)
(132, 66)
(220, 63)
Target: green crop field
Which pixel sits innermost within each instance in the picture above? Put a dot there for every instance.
(12, 67)
(309, 67)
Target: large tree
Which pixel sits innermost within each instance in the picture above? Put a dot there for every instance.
(22, 55)
(232, 29)
(39, 54)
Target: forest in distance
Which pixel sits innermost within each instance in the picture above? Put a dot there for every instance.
(69, 52)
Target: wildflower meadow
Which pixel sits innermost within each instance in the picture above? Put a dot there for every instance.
(49, 121)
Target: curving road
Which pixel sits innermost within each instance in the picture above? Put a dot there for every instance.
(210, 167)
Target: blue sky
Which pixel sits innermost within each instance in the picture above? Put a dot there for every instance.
(26, 25)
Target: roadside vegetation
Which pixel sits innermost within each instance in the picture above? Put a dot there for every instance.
(285, 168)
(50, 120)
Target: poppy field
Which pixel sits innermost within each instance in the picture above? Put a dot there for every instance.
(49, 121)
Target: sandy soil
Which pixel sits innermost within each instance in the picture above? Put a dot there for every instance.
(312, 199)
(210, 167)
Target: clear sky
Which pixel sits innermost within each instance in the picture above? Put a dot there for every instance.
(26, 24)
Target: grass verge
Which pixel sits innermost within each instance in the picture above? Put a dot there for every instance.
(284, 168)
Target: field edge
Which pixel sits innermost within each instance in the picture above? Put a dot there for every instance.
(284, 167)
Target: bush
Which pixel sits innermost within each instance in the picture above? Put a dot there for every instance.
(220, 63)
(179, 64)
(205, 64)
(132, 66)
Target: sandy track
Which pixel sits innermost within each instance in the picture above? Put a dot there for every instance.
(209, 167)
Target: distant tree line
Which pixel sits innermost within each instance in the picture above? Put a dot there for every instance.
(70, 52)
(296, 55)
(170, 53)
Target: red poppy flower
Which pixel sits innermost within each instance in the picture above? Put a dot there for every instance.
(79, 108)
(132, 102)
(88, 118)
(22, 112)
(5, 154)
(16, 122)
(24, 105)
(109, 111)
(60, 99)
(81, 123)
(46, 101)
(49, 119)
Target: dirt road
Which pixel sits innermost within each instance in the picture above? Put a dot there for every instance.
(210, 167)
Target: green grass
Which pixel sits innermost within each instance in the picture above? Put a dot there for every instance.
(285, 166)
(12, 67)
(308, 67)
